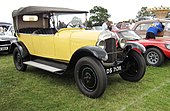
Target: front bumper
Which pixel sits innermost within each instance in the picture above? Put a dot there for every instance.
(5, 45)
(115, 66)
(116, 57)
(167, 53)
(4, 48)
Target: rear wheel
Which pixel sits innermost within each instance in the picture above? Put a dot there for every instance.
(18, 60)
(90, 77)
(154, 57)
(134, 66)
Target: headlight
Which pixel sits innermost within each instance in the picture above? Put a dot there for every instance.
(102, 44)
(167, 46)
(122, 43)
(105, 35)
(102, 37)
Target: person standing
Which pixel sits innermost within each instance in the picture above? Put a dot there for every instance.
(107, 25)
(154, 30)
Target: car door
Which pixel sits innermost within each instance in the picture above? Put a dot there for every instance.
(44, 45)
(62, 45)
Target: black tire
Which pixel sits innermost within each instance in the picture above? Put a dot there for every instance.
(90, 77)
(134, 67)
(154, 57)
(18, 60)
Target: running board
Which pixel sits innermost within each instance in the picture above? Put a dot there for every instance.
(44, 67)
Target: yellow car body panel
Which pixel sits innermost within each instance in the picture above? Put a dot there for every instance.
(44, 45)
(60, 46)
(26, 39)
(68, 41)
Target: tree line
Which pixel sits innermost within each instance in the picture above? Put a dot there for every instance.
(98, 15)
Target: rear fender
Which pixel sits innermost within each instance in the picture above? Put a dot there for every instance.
(21, 47)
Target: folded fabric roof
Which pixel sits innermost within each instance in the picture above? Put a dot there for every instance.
(41, 9)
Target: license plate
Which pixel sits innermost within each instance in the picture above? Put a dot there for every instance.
(113, 69)
(3, 48)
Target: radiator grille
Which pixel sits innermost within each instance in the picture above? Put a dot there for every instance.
(4, 42)
(111, 50)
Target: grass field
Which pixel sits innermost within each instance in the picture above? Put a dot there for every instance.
(38, 90)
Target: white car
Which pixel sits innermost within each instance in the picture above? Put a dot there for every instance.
(6, 37)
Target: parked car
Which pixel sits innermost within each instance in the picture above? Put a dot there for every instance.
(145, 18)
(157, 50)
(6, 37)
(91, 55)
(123, 25)
(141, 27)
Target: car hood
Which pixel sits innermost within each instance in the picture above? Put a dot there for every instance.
(153, 41)
(86, 34)
(81, 34)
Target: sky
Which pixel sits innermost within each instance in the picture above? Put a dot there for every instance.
(118, 9)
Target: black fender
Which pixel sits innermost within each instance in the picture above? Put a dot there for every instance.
(22, 48)
(94, 51)
(135, 45)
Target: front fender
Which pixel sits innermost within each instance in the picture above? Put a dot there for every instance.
(135, 45)
(94, 51)
(87, 51)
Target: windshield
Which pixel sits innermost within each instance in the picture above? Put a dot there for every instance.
(129, 35)
(70, 21)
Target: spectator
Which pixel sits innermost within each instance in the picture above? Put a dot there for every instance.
(61, 25)
(75, 23)
(154, 30)
(107, 25)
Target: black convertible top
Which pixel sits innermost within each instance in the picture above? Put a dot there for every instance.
(41, 9)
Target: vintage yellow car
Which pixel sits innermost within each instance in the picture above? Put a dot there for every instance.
(92, 55)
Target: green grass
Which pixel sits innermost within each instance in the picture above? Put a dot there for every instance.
(38, 90)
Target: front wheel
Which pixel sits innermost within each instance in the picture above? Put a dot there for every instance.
(90, 77)
(18, 60)
(134, 66)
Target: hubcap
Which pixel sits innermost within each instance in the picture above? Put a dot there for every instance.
(152, 57)
(18, 58)
(88, 78)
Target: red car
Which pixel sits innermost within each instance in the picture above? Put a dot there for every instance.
(157, 50)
